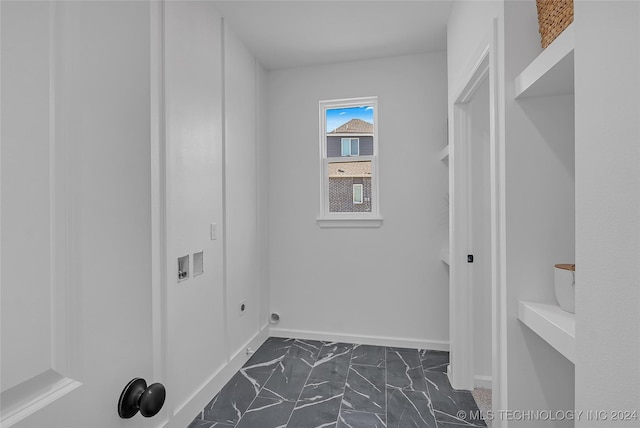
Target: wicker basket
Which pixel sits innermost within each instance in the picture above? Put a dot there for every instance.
(553, 17)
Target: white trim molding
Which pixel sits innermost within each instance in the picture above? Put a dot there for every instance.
(185, 411)
(346, 222)
(34, 394)
(403, 342)
(158, 151)
(461, 368)
(461, 292)
(328, 219)
(483, 381)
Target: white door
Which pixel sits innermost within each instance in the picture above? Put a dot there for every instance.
(75, 213)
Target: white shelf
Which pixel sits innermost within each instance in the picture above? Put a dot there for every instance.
(551, 73)
(444, 256)
(556, 326)
(444, 155)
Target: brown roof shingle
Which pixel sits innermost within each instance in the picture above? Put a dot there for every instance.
(354, 126)
(350, 169)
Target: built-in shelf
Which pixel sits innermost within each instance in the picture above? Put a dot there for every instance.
(556, 326)
(444, 155)
(551, 73)
(444, 256)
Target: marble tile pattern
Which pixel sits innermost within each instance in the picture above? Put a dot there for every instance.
(291, 383)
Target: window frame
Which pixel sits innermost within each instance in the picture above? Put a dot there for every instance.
(343, 140)
(361, 186)
(348, 219)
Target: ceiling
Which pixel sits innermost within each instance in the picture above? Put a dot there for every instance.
(285, 34)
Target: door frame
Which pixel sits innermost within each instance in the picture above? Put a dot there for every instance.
(159, 230)
(461, 368)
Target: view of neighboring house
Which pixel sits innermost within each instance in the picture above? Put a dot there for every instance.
(350, 181)
(354, 138)
(350, 186)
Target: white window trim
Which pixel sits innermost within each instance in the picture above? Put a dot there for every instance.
(361, 194)
(328, 219)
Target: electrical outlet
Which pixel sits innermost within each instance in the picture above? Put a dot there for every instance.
(213, 231)
(242, 307)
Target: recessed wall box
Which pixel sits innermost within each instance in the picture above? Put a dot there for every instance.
(198, 266)
(183, 268)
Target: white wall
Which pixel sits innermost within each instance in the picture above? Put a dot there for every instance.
(370, 285)
(211, 103)
(468, 26)
(607, 61)
(538, 137)
(540, 195)
(262, 140)
(193, 102)
(241, 192)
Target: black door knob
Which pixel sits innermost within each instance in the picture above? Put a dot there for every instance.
(136, 396)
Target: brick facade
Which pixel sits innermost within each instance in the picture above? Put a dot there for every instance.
(341, 195)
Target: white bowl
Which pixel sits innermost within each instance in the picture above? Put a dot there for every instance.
(565, 285)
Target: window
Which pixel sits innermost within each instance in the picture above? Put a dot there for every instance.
(357, 193)
(350, 146)
(349, 163)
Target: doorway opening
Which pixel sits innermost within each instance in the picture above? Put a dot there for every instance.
(477, 306)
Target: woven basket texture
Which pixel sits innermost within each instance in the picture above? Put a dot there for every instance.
(553, 17)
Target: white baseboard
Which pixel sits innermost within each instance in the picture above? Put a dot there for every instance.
(194, 405)
(478, 380)
(483, 381)
(403, 342)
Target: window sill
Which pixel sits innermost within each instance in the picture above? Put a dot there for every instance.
(341, 222)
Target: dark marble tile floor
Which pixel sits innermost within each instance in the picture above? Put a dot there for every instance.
(291, 383)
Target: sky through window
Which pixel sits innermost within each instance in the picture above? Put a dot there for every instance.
(340, 116)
